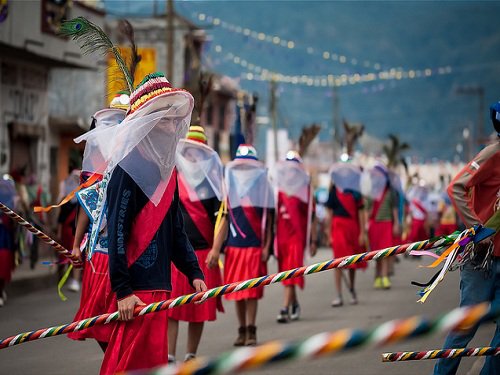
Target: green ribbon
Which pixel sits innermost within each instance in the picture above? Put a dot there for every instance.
(62, 282)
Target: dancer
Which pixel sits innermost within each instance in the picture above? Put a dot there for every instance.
(475, 193)
(384, 225)
(250, 203)
(293, 224)
(200, 175)
(7, 230)
(96, 297)
(348, 222)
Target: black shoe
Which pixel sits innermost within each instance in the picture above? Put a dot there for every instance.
(283, 316)
(295, 315)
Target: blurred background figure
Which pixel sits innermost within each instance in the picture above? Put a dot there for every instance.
(66, 225)
(347, 223)
(8, 197)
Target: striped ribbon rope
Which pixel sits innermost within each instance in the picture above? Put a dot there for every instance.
(329, 343)
(228, 288)
(57, 246)
(441, 353)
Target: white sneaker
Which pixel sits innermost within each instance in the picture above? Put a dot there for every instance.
(74, 286)
(4, 296)
(2, 302)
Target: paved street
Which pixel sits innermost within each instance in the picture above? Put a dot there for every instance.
(62, 356)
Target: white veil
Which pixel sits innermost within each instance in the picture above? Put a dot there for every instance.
(144, 143)
(346, 176)
(247, 184)
(291, 178)
(199, 163)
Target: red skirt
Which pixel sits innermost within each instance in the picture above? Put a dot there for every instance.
(191, 312)
(243, 263)
(6, 264)
(96, 298)
(380, 235)
(67, 239)
(417, 231)
(141, 343)
(291, 255)
(345, 239)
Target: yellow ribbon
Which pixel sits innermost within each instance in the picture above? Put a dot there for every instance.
(62, 282)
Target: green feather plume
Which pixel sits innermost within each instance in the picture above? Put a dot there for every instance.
(92, 38)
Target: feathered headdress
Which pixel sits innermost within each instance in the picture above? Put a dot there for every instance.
(204, 88)
(127, 30)
(92, 38)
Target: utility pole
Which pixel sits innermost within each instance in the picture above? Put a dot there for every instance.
(170, 40)
(274, 117)
(478, 91)
(336, 124)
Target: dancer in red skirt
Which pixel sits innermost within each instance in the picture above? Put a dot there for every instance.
(66, 221)
(250, 203)
(294, 211)
(348, 220)
(96, 296)
(7, 259)
(200, 178)
(384, 228)
(145, 225)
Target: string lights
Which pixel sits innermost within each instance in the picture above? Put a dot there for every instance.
(286, 43)
(258, 73)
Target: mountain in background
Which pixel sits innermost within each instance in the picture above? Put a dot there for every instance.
(427, 112)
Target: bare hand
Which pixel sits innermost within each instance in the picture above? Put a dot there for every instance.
(313, 248)
(212, 259)
(265, 254)
(362, 240)
(77, 253)
(126, 307)
(199, 285)
(396, 230)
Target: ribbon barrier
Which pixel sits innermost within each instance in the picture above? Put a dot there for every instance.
(229, 288)
(58, 247)
(440, 353)
(328, 343)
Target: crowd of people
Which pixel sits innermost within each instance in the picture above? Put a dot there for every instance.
(156, 209)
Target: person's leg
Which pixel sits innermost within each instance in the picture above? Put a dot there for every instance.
(103, 345)
(474, 288)
(294, 301)
(241, 307)
(293, 296)
(284, 314)
(251, 311)
(384, 272)
(492, 364)
(252, 305)
(195, 330)
(352, 280)
(173, 332)
(337, 274)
